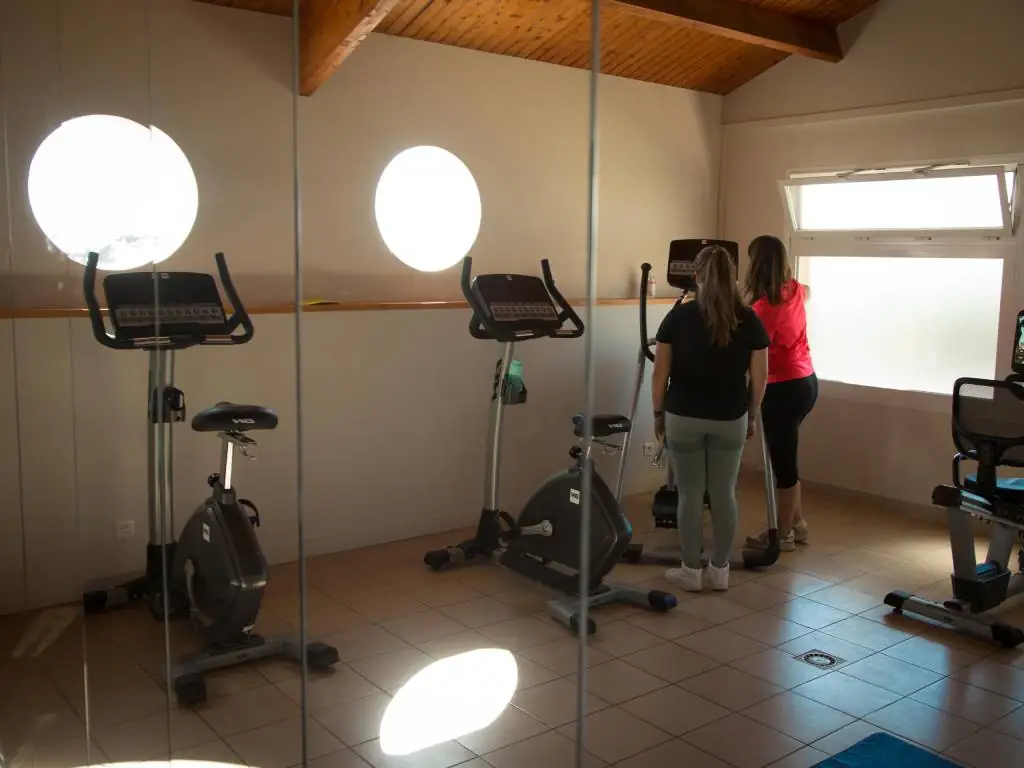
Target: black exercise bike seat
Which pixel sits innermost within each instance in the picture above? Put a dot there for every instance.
(230, 417)
(604, 425)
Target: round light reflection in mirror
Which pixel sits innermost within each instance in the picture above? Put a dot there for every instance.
(448, 699)
(428, 208)
(110, 185)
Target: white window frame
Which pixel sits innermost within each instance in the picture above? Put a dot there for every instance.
(790, 187)
(1001, 243)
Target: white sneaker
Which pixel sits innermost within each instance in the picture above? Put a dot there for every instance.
(786, 543)
(719, 577)
(687, 579)
(800, 533)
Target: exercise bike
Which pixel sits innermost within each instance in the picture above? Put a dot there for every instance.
(217, 572)
(681, 274)
(988, 429)
(543, 543)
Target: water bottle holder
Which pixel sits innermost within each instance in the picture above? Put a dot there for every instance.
(513, 395)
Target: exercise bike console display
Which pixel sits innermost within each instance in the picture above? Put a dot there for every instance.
(170, 310)
(682, 258)
(509, 307)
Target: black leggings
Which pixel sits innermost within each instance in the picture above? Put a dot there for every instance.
(786, 404)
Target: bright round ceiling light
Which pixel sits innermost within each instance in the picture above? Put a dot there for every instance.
(448, 699)
(428, 208)
(112, 186)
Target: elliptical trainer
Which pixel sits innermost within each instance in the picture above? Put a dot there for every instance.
(681, 268)
(543, 543)
(217, 573)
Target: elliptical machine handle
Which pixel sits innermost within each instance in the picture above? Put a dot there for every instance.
(567, 313)
(99, 327)
(645, 276)
(238, 315)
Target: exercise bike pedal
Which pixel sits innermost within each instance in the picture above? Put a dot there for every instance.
(321, 656)
(190, 690)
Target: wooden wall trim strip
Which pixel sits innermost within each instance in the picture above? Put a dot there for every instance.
(8, 313)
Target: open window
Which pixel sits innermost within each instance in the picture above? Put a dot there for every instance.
(909, 274)
(943, 202)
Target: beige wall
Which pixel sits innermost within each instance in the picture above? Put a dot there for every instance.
(899, 51)
(394, 402)
(891, 444)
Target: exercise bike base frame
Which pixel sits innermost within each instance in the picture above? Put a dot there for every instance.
(148, 586)
(187, 672)
(979, 589)
(566, 610)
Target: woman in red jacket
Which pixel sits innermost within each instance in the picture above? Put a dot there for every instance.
(792, 388)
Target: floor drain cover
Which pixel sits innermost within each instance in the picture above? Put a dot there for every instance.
(820, 659)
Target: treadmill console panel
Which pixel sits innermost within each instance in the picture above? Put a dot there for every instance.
(182, 303)
(682, 257)
(516, 303)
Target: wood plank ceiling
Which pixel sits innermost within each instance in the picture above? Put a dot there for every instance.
(635, 46)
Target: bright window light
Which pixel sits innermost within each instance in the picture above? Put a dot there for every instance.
(862, 203)
(428, 208)
(110, 185)
(448, 699)
(903, 322)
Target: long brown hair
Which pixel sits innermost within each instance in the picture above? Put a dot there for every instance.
(718, 297)
(769, 269)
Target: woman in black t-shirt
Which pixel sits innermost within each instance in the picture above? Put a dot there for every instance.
(710, 370)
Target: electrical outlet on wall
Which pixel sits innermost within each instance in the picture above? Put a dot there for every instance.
(125, 529)
(650, 449)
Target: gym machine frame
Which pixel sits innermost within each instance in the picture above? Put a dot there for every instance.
(223, 597)
(166, 407)
(532, 544)
(665, 505)
(980, 588)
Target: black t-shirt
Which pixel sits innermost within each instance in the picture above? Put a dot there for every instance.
(708, 381)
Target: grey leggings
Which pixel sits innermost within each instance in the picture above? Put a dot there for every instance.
(705, 455)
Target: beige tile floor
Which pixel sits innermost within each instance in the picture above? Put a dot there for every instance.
(710, 685)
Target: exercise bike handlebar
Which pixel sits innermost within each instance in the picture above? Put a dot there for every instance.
(567, 312)
(478, 329)
(239, 316)
(99, 328)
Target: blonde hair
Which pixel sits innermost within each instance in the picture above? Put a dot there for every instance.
(718, 297)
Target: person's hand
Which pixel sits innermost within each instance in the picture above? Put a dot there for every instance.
(751, 425)
(659, 428)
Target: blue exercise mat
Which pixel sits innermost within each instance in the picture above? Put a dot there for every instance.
(880, 750)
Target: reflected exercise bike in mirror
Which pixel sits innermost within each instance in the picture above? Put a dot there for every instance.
(543, 543)
(682, 257)
(217, 571)
(988, 429)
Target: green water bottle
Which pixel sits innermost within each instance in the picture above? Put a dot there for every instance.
(514, 382)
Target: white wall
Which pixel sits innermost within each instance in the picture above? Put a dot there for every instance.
(899, 51)
(394, 402)
(896, 446)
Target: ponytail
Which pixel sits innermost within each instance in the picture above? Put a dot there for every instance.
(718, 297)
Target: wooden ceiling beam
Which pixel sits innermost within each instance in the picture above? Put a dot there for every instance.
(329, 30)
(746, 23)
